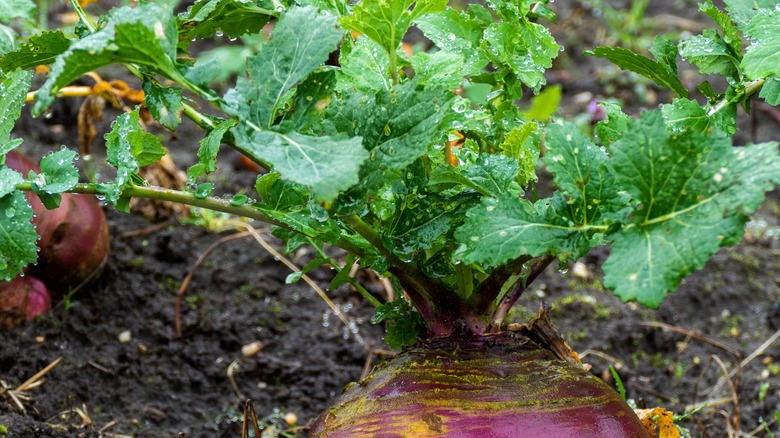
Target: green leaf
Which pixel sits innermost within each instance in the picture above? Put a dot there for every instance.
(520, 145)
(145, 35)
(545, 104)
(742, 11)
(128, 148)
(405, 325)
(7, 43)
(17, 235)
(656, 71)
(9, 178)
(770, 92)
(683, 113)
(730, 33)
(10, 9)
(613, 127)
(694, 190)
(326, 164)
(762, 58)
(710, 53)
(42, 49)
(311, 99)
(302, 41)
(397, 127)
(441, 69)
(209, 146)
(233, 17)
(526, 48)
(386, 21)
(13, 91)
(490, 175)
(164, 103)
(459, 34)
(57, 172)
(364, 65)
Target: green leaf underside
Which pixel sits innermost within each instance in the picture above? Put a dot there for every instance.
(42, 49)
(386, 21)
(684, 113)
(762, 57)
(17, 235)
(302, 40)
(770, 92)
(10, 9)
(326, 164)
(233, 17)
(128, 148)
(145, 35)
(656, 71)
(694, 190)
(12, 93)
(164, 103)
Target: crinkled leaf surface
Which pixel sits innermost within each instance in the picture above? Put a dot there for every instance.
(128, 148)
(9, 178)
(12, 93)
(613, 127)
(17, 235)
(710, 53)
(526, 48)
(490, 175)
(441, 69)
(694, 189)
(233, 17)
(145, 35)
(42, 49)
(520, 145)
(302, 40)
(742, 11)
(311, 98)
(386, 21)
(762, 58)
(459, 33)
(397, 127)
(730, 33)
(506, 227)
(209, 146)
(17, 8)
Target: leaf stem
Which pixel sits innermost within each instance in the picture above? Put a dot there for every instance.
(750, 89)
(83, 16)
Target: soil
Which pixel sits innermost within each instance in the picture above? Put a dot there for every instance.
(158, 385)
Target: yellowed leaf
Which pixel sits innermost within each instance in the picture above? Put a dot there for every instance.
(658, 419)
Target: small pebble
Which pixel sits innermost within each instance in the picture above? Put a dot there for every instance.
(40, 339)
(290, 418)
(764, 374)
(125, 336)
(268, 432)
(262, 385)
(142, 348)
(580, 270)
(251, 349)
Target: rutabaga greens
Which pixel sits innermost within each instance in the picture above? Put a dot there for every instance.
(355, 149)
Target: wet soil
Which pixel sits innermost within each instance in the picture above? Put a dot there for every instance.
(157, 384)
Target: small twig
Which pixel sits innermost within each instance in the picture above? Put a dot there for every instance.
(694, 335)
(615, 361)
(108, 425)
(188, 278)
(100, 367)
(255, 426)
(370, 359)
(231, 369)
(734, 396)
(696, 385)
(147, 230)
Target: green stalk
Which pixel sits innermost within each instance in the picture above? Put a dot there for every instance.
(211, 203)
(366, 294)
(750, 89)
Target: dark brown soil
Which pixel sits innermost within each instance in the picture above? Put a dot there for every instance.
(157, 385)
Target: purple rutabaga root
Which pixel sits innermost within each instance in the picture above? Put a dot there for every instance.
(488, 386)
